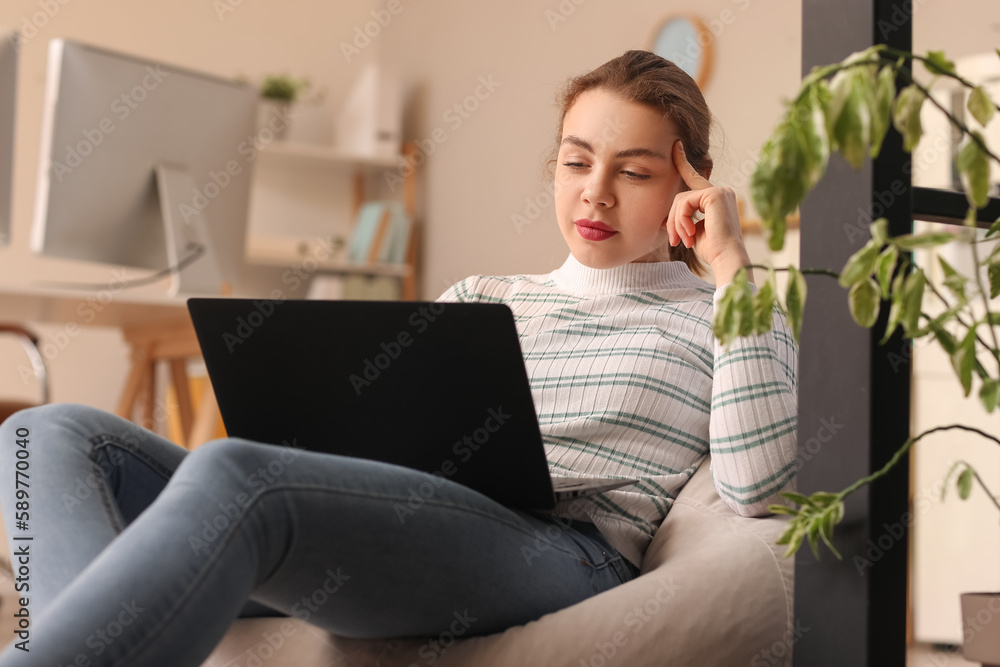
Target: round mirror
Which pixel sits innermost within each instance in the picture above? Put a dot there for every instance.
(686, 41)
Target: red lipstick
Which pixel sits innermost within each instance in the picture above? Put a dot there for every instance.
(594, 230)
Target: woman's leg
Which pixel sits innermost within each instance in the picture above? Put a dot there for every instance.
(356, 547)
(85, 475)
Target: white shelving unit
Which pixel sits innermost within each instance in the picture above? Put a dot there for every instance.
(319, 184)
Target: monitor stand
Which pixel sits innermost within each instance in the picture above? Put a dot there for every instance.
(186, 237)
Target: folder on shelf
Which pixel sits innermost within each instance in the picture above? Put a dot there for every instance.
(400, 238)
(381, 233)
(366, 227)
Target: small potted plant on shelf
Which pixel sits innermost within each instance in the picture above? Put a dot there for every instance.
(287, 114)
(848, 107)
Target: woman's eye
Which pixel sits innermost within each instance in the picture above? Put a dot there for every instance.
(575, 165)
(634, 176)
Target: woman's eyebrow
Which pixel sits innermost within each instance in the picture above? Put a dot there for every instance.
(628, 152)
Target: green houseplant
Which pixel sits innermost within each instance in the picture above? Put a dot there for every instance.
(288, 112)
(848, 107)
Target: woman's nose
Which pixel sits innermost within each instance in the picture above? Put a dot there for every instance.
(597, 192)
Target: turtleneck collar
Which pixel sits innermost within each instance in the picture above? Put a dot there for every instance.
(627, 278)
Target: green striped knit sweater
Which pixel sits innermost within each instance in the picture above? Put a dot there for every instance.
(628, 380)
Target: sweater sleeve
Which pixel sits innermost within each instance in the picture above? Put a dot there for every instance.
(754, 417)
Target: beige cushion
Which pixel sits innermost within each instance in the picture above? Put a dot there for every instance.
(714, 590)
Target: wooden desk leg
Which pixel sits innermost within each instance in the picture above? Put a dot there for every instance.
(179, 377)
(148, 393)
(136, 379)
(207, 419)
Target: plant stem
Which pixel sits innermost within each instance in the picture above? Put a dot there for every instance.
(994, 350)
(912, 56)
(824, 72)
(954, 121)
(902, 450)
(818, 272)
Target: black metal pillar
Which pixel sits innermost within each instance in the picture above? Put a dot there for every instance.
(853, 394)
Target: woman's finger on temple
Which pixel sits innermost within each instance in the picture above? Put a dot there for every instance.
(694, 180)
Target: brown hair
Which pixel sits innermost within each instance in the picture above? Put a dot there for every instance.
(646, 78)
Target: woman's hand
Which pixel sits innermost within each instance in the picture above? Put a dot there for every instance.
(718, 238)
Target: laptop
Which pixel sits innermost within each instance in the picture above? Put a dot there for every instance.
(438, 387)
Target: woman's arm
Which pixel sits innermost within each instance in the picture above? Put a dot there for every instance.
(754, 415)
(754, 420)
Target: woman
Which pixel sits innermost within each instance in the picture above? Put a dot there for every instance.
(144, 553)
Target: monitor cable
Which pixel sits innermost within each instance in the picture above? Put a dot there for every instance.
(196, 251)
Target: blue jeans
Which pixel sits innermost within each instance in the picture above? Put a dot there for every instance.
(143, 553)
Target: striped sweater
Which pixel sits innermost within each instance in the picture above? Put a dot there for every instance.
(628, 380)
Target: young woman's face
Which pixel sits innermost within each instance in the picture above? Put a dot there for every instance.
(615, 181)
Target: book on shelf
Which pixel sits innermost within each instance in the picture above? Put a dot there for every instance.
(381, 233)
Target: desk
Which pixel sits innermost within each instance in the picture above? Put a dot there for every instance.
(156, 327)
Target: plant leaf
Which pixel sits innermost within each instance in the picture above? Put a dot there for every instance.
(795, 301)
(993, 270)
(724, 325)
(859, 265)
(827, 534)
(763, 306)
(799, 498)
(980, 105)
(994, 228)
(963, 359)
(913, 298)
(814, 537)
(879, 229)
(864, 300)
(953, 280)
(937, 63)
(974, 168)
(988, 394)
(948, 342)
(930, 239)
(906, 116)
(896, 307)
(884, 265)
(965, 484)
(851, 114)
(885, 93)
(792, 160)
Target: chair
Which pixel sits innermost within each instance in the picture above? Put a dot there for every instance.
(30, 343)
(714, 590)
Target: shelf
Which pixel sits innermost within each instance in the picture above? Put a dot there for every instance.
(288, 252)
(754, 226)
(328, 154)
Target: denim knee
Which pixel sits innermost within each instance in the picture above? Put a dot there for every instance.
(39, 424)
(242, 466)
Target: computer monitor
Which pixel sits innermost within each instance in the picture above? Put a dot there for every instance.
(8, 88)
(144, 164)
